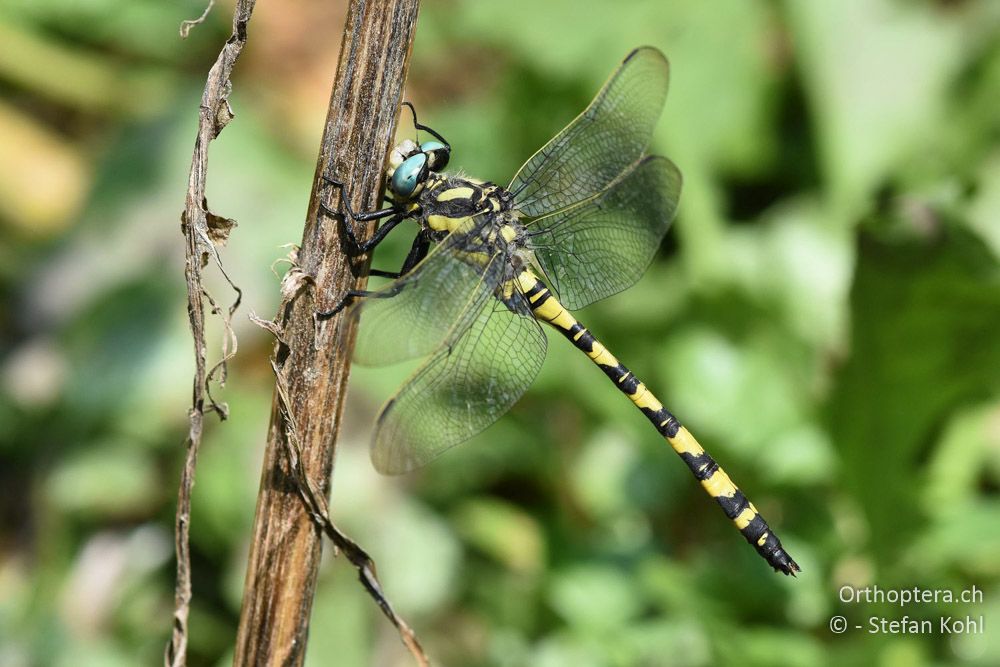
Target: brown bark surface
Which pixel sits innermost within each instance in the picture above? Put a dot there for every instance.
(314, 362)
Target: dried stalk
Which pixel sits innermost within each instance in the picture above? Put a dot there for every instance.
(203, 232)
(312, 364)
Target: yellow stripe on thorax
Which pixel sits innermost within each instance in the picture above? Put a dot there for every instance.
(455, 193)
(442, 223)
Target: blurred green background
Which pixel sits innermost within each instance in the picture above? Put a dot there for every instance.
(824, 316)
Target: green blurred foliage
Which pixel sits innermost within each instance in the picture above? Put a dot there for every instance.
(824, 318)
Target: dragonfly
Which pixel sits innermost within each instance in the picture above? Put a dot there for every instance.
(580, 221)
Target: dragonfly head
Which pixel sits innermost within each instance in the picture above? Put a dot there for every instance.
(410, 164)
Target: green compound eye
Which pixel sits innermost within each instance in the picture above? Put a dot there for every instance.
(438, 154)
(429, 146)
(408, 175)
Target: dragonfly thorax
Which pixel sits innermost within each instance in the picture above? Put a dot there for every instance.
(450, 203)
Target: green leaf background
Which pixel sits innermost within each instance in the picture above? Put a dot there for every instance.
(824, 316)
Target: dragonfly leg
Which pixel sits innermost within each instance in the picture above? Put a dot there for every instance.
(421, 245)
(354, 246)
(419, 249)
(354, 294)
(379, 273)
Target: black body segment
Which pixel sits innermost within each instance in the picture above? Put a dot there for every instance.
(705, 469)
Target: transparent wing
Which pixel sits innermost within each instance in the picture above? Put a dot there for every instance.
(592, 151)
(411, 316)
(603, 245)
(462, 388)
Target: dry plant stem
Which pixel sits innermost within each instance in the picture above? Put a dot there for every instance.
(186, 26)
(312, 364)
(319, 511)
(203, 232)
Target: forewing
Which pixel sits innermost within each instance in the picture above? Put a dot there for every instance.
(602, 142)
(602, 246)
(411, 316)
(461, 389)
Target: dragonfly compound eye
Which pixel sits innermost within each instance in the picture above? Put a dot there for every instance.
(437, 154)
(408, 175)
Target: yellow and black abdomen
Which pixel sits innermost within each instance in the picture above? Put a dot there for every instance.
(705, 469)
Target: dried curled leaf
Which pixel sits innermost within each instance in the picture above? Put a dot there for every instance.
(268, 325)
(223, 111)
(218, 228)
(294, 282)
